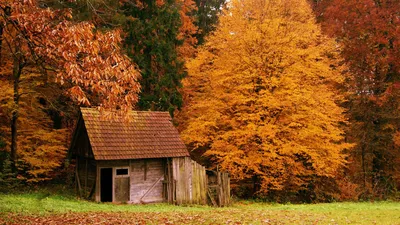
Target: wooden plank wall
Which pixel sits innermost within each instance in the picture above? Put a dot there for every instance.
(147, 177)
(199, 184)
(224, 190)
(85, 177)
(190, 181)
(121, 186)
(169, 184)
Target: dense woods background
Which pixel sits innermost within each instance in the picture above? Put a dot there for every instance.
(298, 100)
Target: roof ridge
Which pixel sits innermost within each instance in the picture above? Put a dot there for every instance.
(140, 111)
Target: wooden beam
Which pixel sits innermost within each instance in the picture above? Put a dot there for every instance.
(75, 136)
(97, 188)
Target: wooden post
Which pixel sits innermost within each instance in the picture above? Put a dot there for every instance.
(229, 188)
(145, 169)
(172, 182)
(219, 187)
(168, 190)
(77, 177)
(97, 180)
(86, 176)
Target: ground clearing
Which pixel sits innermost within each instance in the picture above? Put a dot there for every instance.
(39, 208)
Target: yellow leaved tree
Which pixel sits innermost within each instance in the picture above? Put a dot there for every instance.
(261, 96)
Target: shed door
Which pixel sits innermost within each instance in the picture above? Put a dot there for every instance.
(106, 184)
(122, 184)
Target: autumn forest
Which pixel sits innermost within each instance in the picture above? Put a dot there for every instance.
(297, 99)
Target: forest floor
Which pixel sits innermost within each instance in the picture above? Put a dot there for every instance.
(46, 208)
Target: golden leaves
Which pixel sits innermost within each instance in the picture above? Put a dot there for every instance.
(260, 101)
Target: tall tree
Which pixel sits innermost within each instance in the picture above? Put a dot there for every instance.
(368, 31)
(262, 98)
(71, 54)
(151, 41)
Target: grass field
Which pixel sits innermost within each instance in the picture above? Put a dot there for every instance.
(40, 208)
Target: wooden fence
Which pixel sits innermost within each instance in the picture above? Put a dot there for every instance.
(188, 183)
(218, 188)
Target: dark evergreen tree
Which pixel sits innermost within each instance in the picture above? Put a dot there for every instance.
(207, 16)
(151, 41)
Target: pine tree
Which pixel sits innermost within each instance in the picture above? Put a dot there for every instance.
(207, 16)
(151, 41)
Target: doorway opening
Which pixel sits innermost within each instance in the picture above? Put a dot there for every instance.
(106, 184)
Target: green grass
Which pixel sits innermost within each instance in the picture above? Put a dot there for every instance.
(45, 207)
(42, 204)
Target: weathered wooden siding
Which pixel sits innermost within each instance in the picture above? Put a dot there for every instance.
(81, 144)
(85, 177)
(224, 190)
(218, 188)
(147, 177)
(121, 189)
(143, 184)
(169, 184)
(176, 180)
(85, 165)
(199, 184)
(190, 181)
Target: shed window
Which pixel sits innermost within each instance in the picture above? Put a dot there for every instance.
(122, 171)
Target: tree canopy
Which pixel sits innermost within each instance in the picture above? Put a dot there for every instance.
(262, 98)
(368, 32)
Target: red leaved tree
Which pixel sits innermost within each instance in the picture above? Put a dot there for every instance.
(369, 32)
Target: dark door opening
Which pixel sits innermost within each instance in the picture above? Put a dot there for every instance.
(106, 184)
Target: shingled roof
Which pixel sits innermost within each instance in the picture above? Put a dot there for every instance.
(146, 135)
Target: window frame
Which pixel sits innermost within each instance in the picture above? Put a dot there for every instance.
(121, 175)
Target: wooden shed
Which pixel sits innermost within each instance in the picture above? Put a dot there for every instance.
(140, 161)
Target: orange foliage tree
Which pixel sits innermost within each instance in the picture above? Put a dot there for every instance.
(262, 100)
(41, 141)
(71, 54)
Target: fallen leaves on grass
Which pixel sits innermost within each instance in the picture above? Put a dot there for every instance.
(135, 218)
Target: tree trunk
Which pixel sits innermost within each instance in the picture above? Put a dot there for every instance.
(1, 42)
(7, 12)
(364, 168)
(17, 68)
